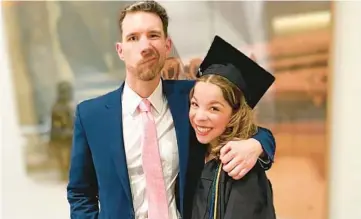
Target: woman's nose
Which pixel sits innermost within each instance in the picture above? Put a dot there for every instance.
(200, 115)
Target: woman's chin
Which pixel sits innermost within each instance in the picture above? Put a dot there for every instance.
(203, 139)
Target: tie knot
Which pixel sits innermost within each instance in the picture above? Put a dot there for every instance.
(144, 105)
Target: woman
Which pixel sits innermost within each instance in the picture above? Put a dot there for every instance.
(228, 88)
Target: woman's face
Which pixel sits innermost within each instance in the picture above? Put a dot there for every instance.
(209, 113)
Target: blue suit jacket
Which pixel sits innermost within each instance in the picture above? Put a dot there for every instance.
(98, 170)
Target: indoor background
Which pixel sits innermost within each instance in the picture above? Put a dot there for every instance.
(53, 48)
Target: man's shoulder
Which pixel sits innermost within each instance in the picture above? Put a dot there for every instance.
(95, 104)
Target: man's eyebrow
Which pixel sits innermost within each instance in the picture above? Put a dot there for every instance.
(130, 34)
(156, 31)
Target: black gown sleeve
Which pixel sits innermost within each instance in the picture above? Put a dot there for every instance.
(249, 197)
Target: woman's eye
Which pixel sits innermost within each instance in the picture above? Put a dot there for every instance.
(194, 104)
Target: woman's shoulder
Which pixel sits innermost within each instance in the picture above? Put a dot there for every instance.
(255, 179)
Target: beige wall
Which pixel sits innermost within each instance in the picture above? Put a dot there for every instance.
(345, 116)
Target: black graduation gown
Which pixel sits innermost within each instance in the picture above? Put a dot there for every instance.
(248, 198)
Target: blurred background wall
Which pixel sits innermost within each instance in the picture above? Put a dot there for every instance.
(50, 42)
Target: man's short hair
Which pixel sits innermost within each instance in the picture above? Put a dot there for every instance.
(146, 6)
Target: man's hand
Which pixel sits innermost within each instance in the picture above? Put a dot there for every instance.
(239, 157)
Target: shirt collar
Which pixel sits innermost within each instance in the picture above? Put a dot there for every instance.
(132, 99)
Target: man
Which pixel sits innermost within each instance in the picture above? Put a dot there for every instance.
(114, 160)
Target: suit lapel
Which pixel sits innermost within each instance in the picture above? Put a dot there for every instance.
(114, 120)
(178, 104)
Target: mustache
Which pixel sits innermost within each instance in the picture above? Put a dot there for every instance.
(151, 55)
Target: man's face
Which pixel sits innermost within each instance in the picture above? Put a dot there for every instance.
(144, 47)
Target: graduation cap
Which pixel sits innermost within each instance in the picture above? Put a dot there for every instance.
(225, 60)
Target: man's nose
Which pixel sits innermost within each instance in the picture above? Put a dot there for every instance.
(145, 46)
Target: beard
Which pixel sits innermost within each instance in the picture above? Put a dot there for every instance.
(150, 70)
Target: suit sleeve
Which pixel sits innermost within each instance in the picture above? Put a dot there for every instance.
(267, 140)
(82, 190)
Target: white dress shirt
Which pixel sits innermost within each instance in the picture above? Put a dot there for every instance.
(168, 149)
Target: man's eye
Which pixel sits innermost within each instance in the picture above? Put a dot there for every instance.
(154, 36)
(133, 38)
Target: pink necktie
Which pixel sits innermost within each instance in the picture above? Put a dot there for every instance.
(152, 166)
